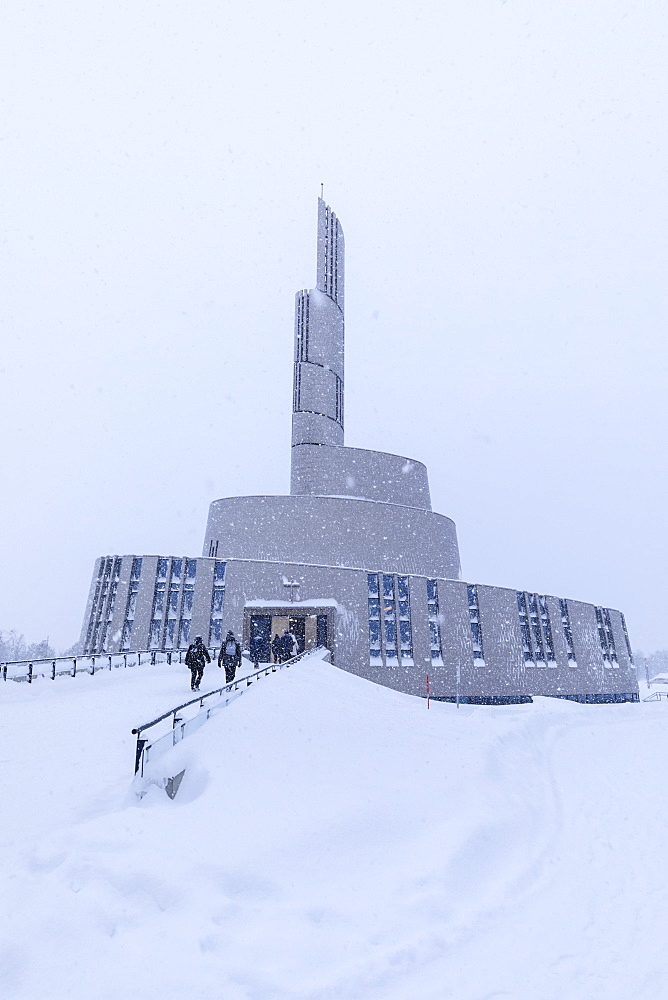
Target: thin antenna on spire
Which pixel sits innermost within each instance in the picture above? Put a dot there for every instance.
(322, 191)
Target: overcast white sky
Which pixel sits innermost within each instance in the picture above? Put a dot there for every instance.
(499, 169)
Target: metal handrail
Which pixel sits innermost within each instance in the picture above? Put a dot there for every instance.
(144, 745)
(89, 667)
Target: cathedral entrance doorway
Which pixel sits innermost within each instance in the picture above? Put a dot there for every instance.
(309, 626)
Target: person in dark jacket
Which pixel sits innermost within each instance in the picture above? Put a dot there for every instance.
(276, 648)
(197, 658)
(287, 646)
(230, 656)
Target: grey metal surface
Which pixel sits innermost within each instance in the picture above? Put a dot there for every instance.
(332, 531)
(357, 472)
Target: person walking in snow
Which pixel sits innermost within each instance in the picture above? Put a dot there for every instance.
(197, 658)
(230, 656)
(276, 648)
(287, 646)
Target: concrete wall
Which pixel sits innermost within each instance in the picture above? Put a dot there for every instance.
(333, 532)
(356, 472)
(502, 674)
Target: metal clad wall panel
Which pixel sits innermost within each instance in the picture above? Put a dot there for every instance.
(587, 647)
(502, 675)
(116, 631)
(560, 680)
(144, 606)
(335, 532)
(356, 472)
(420, 625)
(455, 642)
(201, 617)
(624, 678)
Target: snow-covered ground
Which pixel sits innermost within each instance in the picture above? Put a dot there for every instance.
(331, 840)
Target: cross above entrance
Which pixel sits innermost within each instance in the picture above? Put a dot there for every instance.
(292, 584)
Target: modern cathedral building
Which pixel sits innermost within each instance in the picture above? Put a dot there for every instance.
(356, 559)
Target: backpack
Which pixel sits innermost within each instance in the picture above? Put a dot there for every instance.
(230, 647)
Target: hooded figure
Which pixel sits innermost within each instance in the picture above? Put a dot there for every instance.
(197, 658)
(230, 656)
(276, 648)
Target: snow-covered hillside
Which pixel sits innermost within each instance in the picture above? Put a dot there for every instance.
(331, 839)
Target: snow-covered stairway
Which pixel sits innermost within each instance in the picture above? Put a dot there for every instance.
(173, 726)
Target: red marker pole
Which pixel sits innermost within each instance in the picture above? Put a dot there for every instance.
(427, 676)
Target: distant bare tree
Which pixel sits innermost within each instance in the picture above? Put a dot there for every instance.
(13, 646)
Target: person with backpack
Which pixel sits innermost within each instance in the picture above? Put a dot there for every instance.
(230, 656)
(276, 648)
(197, 658)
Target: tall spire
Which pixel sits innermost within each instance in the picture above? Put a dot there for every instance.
(317, 410)
(331, 252)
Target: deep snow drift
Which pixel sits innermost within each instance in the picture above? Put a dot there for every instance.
(330, 839)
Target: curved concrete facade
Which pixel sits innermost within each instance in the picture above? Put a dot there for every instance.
(356, 472)
(333, 531)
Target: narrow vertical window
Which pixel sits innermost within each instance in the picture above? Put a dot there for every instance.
(173, 604)
(302, 312)
(536, 635)
(339, 400)
(132, 604)
(375, 652)
(100, 622)
(568, 632)
(607, 625)
(536, 630)
(547, 628)
(476, 628)
(405, 628)
(390, 620)
(111, 602)
(626, 637)
(217, 601)
(603, 636)
(187, 603)
(297, 390)
(158, 605)
(434, 623)
(524, 627)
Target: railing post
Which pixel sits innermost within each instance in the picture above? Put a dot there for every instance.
(139, 754)
(138, 659)
(30, 673)
(125, 659)
(4, 671)
(110, 663)
(53, 670)
(92, 670)
(74, 666)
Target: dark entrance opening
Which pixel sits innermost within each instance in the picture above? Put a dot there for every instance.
(260, 638)
(321, 630)
(310, 628)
